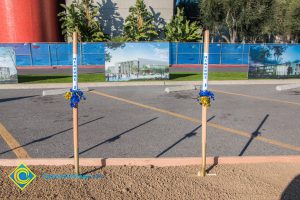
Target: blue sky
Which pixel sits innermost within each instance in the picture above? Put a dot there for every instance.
(132, 51)
(291, 54)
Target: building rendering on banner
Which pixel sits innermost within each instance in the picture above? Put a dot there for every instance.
(138, 69)
(8, 71)
(281, 70)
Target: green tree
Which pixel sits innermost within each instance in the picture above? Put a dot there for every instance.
(81, 16)
(191, 9)
(256, 14)
(182, 30)
(236, 20)
(293, 20)
(233, 14)
(277, 25)
(284, 25)
(140, 25)
(277, 52)
(224, 17)
(212, 15)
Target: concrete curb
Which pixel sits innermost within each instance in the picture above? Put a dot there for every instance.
(287, 87)
(159, 162)
(60, 91)
(180, 88)
(148, 83)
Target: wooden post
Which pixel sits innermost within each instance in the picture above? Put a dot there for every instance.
(204, 119)
(204, 108)
(75, 110)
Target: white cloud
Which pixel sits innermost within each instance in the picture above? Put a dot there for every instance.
(163, 54)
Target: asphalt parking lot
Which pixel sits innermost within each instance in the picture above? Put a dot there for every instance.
(144, 121)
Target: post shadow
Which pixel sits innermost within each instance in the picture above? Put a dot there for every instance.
(292, 191)
(216, 162)
(49, 136)
(254, 135)
(16, 98)
(188, 135)
(113, 139)
(103, 164)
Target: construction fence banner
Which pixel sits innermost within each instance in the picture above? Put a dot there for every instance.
(8, 71)
(137, 61)
(274, 61)
(93, 54)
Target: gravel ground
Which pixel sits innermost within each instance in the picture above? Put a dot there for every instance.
(260, 181)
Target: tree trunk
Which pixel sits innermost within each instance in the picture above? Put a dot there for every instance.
(288, 38)
(244, 40)
(233, 35)
(226, 38)
(269, 37)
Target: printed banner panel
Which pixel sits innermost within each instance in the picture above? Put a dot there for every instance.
(8, 71)
(274, 61)
(136, 61)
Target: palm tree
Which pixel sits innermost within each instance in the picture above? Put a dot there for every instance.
(81, 17)
(182, 30)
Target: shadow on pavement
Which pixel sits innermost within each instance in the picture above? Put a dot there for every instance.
(16, 98)
(254, 135)
(188, 135)
(115, 137)
(49, 136)
(292, 191)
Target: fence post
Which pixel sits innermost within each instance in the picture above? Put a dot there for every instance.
(176, 52)
(49, 52)
(30, 51)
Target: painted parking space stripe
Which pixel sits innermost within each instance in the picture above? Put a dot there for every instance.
(214, 125)
(148, 107)
(258, 98)
(14, 145)
(260, 138)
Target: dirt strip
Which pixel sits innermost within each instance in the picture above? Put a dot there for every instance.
(241, 181)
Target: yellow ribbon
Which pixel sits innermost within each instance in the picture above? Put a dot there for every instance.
(205, 101)
(68, 95)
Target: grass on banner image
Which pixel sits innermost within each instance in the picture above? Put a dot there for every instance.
(96, 77)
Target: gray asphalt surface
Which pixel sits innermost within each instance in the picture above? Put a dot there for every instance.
(111, 128)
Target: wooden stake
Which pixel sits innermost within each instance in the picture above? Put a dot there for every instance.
(75, 136)
(204, 108)
(75, 110)
(204, 121)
